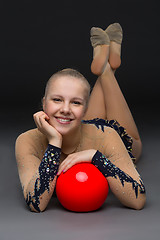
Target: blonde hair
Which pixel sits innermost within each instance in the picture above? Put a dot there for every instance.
(73, 73)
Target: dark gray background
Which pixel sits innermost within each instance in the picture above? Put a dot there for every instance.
(41, 37)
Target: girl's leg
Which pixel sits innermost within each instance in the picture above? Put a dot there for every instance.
(108, 102)
(100, 42)
(115, 103)
(117, 107)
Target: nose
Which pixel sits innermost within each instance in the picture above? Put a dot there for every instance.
(65, 108)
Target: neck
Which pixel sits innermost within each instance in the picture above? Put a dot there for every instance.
(71, 141)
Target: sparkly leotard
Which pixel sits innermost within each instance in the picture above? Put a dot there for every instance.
(51, 159)
(102, 123)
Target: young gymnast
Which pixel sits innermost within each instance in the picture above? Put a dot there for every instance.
(75, 127)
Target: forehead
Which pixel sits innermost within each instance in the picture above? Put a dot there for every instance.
(67, 85)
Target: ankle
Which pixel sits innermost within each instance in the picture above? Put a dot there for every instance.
(100, 58)
(100, 43)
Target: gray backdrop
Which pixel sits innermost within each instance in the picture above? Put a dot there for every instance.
(39, 38)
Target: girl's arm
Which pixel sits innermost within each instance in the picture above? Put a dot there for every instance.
(123, 178)
(38, 176)
(129, 191)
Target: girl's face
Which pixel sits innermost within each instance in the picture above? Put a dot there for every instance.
(65, 103)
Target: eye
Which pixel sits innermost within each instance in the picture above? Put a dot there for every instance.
(76, 102)
(57, 100)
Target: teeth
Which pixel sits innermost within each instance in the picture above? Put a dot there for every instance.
(63, 120)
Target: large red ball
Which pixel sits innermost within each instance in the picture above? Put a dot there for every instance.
(82, 188)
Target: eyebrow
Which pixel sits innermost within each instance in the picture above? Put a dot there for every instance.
(77, 98)
(74, 98)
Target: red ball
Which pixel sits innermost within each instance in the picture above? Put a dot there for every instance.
(82, 188)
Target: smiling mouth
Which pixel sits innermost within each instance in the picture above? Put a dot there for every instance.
(63, 120)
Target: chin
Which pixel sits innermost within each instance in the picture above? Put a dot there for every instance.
(66, 131)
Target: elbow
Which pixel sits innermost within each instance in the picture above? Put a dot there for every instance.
(138, 204)
(39, 210)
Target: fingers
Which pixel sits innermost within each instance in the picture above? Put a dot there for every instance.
(67, 163)
(40, 114)
(40, 119)
(74, 158)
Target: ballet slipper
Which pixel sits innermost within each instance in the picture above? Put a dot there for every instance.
(98, 37)
(115, 34)
(100, 43)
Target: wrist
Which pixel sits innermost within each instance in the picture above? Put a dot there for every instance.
(56, 142)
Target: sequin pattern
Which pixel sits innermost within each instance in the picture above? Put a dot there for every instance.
(47, 171)
(101, 123)
(108, 169)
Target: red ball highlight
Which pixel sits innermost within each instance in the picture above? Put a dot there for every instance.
(82, 188)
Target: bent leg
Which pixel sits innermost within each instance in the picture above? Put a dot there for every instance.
(117, 107)
(108, 102)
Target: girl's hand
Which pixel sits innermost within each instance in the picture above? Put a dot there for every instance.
(54, 137)
(74, 158)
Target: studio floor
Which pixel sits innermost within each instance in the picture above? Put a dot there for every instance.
(112, 221)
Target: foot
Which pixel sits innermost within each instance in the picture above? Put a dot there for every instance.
(115, 34)
(100, 43)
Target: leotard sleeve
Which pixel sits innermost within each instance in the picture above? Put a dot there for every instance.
(47, 171)
(108, 169)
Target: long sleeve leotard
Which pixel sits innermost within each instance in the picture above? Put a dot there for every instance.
(48, 169)
(108, 169)
(46, 173)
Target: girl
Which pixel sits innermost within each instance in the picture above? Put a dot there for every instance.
(74, 128)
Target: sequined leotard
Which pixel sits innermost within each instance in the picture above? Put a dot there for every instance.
(51, 159)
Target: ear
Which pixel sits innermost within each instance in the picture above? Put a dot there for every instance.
(43, 103)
